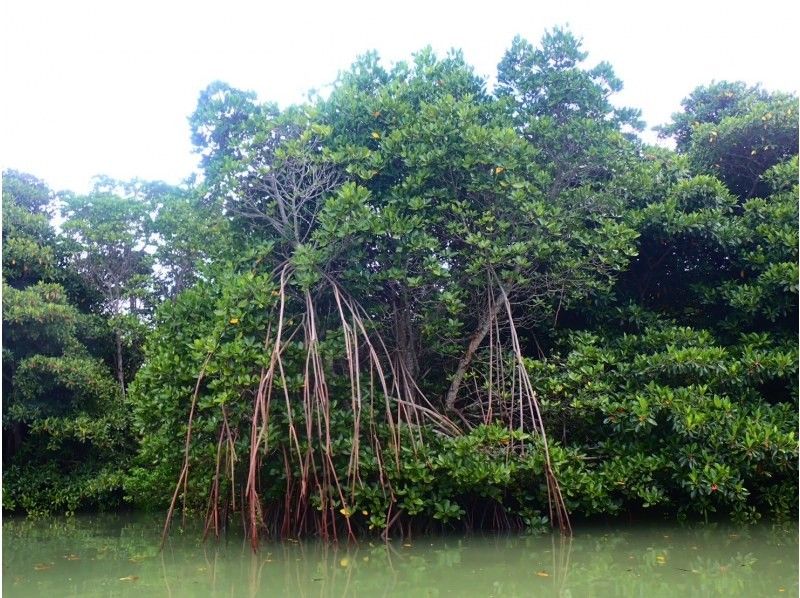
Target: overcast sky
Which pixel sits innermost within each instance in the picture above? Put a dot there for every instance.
(105, 87)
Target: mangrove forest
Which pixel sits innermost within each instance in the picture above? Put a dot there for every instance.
(420, 301)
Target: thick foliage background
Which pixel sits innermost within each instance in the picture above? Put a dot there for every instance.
(66, 433)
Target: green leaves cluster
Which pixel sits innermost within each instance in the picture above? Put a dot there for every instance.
(670, 417)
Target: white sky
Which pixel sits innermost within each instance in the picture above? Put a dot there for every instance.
(105, 87)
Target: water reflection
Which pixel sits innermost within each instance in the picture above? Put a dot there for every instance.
(118, 556)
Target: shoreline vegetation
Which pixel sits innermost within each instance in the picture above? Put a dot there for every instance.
(418, 304)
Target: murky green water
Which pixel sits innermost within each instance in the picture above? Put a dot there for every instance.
(118, 556)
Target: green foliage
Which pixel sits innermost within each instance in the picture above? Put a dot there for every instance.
(710, 104)
(565, 111)
(38, 320)
(224, 322)
(740, 149)
(736, 133)
(458, 196)
(65, 430)
(548, 81)
(670, 416)
(709, 260)
(110, 235)
(188, 235)
(28, 252)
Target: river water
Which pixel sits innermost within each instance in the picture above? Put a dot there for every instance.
(117, 555)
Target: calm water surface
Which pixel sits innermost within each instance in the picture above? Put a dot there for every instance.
(118, 556)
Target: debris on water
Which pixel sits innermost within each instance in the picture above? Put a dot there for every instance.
(129, 578)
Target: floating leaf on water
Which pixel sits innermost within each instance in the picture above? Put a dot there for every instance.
(407, 545)
(43, 566)
(72, 557)
(129, 578)
(345, 562)
(542, 574)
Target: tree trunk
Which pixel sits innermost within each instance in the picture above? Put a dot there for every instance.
(120, 370)
(405, 338)
(475, 341)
